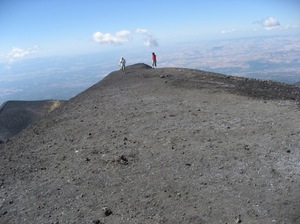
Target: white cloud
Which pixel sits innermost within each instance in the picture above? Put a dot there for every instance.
(122, 33)
(119, 38)
(151, 42)
(17, 53)
(122, 36)
(143, 31)
(287, 27)
(149, 39)
(7, 92)
(269, 23)
(228, 31)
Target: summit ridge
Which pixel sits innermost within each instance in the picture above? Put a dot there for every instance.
(165, 145)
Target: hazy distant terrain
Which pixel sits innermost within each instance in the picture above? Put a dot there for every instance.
(271, 58)
(51, 78)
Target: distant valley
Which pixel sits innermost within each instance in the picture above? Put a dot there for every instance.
(268, 58)
(51, 78)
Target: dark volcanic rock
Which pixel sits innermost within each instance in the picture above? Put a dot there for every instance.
(194, 147)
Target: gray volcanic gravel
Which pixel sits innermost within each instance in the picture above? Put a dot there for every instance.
(166, 145)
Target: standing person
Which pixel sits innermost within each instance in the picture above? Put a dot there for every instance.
(153, 60)
(122, 64)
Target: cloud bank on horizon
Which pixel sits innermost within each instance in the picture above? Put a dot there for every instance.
(124, 36)
(17, 53)
(119, 38)
(149, 39)
(272, 23)
(269, 23)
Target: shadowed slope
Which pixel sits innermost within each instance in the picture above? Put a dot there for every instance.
(164, 145)
(17, 115)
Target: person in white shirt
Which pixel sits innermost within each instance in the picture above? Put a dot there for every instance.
(122, 64)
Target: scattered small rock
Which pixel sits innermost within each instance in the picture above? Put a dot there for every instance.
(97, 222)
(246, 147)
(4, 213)
(238, 220)
(107, 211)
(162, 77)
(288, 151)
(123, 160)
(87, 159)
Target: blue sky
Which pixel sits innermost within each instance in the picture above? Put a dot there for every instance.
(61, 27)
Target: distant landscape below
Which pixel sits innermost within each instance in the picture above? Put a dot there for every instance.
(270, 58)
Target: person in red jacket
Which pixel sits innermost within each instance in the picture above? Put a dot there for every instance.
(153, 60)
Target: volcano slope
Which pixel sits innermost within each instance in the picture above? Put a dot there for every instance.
(167, 145)
(17, 115)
